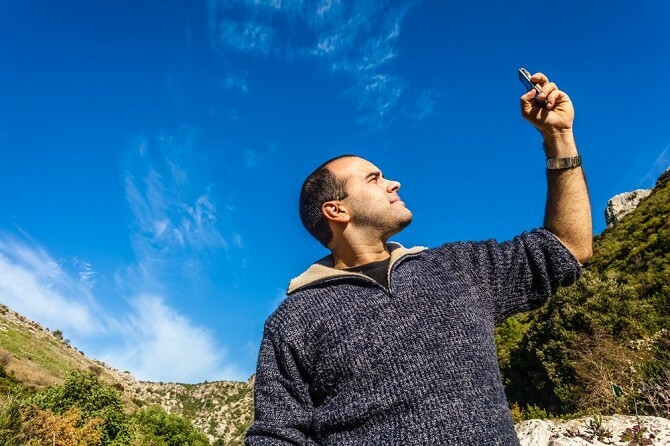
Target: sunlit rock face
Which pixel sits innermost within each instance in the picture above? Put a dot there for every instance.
(623, 204)
(615, 430)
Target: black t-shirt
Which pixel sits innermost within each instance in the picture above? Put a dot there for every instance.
(378, 271)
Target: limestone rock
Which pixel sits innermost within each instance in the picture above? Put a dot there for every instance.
(586, 431)
(623, 204)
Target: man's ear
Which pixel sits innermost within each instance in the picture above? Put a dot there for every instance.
(335, 211)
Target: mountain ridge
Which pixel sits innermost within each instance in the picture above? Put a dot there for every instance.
(39, 358)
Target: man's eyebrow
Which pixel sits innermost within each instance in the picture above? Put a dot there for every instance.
(376, 173)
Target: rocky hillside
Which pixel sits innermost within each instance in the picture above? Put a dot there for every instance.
(611, 330)
(39, 358)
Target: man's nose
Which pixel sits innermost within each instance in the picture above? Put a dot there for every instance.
(392, 186)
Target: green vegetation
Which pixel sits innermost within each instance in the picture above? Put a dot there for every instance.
(84, 412)
(36, 364)
(163, 429)
(612, 328)
(41, 351)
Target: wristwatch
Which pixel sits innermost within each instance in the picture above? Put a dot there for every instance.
(564, 163)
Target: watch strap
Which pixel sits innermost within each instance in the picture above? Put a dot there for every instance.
(564, 163)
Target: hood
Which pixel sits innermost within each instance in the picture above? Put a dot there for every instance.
(323, 269)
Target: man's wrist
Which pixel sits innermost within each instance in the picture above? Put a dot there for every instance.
(559, 144)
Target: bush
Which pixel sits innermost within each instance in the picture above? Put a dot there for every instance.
(578, 345)
(10, 422)
(41, 426)
(92, 400)
(166, 429)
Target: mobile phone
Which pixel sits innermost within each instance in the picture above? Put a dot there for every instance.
(524, 77)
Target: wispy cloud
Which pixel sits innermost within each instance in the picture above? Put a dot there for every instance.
(161, 344)
(251, 158)
(661, 164)
(254, 158)
(37, 286)
(150, 338)
(176, 230)
(355, 38)
(238, 82)
(175, 224)
(250, 36)
(87, 275)
(424, 106)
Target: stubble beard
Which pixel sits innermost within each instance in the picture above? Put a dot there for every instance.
(385, 223)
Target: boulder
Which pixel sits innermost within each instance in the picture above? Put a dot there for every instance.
(619, 430)
(623, 204)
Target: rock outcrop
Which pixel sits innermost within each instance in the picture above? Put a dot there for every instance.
(623, 204)
(616, 430)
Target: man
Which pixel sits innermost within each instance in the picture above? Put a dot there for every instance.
(381, 345)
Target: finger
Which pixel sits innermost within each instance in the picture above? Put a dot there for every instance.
(528, 96)
(529, 106)
(539, 78)
(553, 97)
(546, 90)
(561, 98)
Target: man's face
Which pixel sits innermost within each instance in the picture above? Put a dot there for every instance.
(372, 200)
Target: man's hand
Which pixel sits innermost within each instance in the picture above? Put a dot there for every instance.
(558, 115)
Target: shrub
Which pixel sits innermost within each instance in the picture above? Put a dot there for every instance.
(92, 400)
(10, 422)
(169, 429)
(40, 426)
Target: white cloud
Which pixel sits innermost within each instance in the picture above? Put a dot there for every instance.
(357, 38)
(35, 285)
(237, 240)
(153, 341)
(250, 36)
(251, 158)
(160, 344)
(324, 7)
(424, 106)
(236, 83)
(175, 225)
(661, 164)
(87, 275)
(255, 158)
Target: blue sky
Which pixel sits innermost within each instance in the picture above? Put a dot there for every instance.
(153, 151)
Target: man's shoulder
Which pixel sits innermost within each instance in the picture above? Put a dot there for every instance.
(297, 309)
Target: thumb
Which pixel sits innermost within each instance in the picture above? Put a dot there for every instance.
(527, 101)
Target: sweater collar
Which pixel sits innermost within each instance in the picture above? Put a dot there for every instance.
(323, 269)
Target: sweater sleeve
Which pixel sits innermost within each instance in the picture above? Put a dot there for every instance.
(282, 403)
(523, 273)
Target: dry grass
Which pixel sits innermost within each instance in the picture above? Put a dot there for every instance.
(31, 376)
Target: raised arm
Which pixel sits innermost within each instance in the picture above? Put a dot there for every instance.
(568, 211)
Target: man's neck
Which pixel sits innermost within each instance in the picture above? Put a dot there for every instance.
(349, 255)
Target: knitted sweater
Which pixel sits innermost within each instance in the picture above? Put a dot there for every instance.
(345, 361)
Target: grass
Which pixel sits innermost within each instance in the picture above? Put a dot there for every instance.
(36, 357)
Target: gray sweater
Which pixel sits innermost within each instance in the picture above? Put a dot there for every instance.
(345, 361)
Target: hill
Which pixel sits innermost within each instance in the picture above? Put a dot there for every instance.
(37, 359)
(602, 345)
